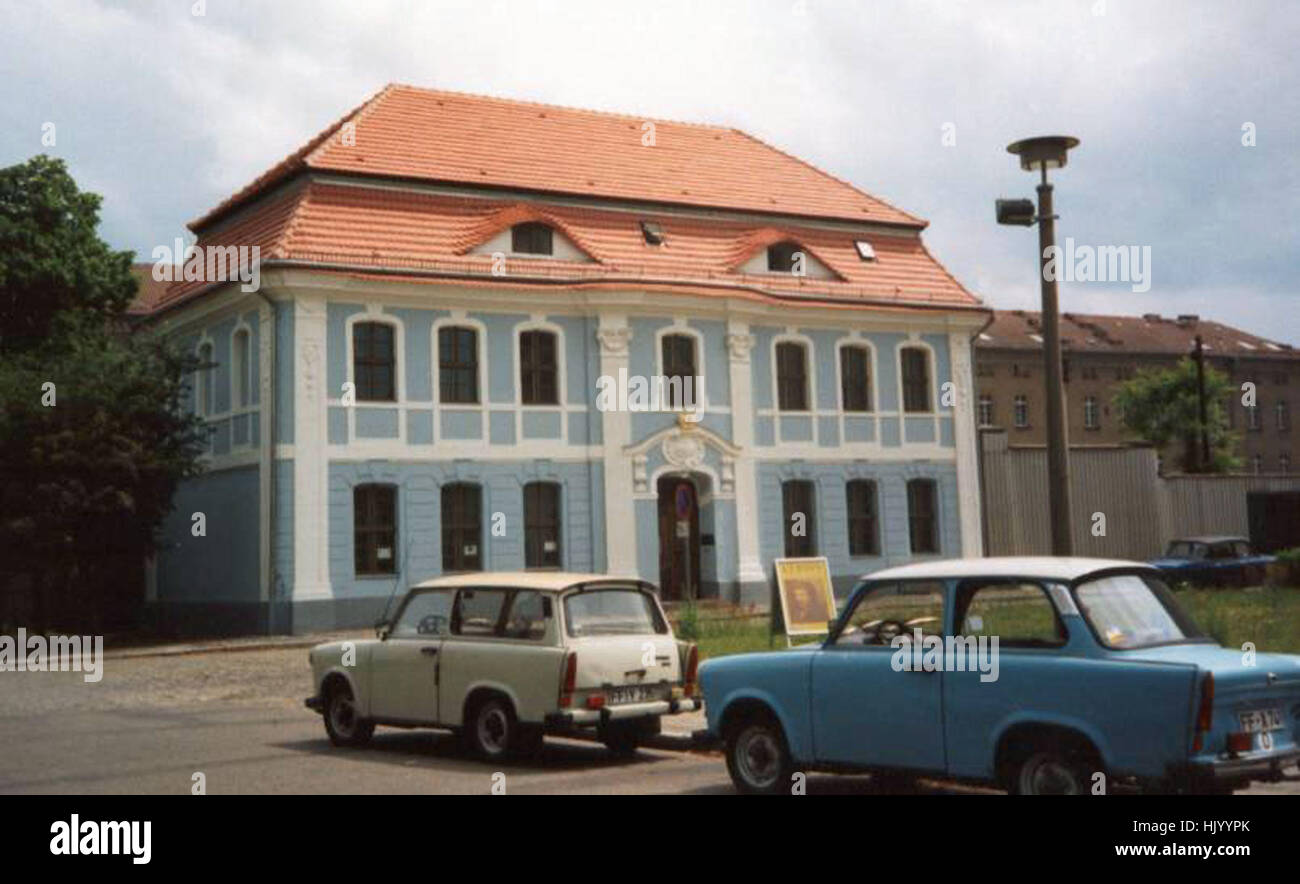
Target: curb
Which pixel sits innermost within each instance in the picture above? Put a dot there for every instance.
(190, 650)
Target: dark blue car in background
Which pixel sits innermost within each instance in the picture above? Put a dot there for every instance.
(1213, 561)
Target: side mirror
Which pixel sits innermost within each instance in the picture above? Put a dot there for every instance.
(381, 629)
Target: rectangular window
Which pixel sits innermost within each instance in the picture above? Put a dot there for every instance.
(986, 411)
(922, 515)
(1091, 419)
(791, 376)
(542, 525)
(678, 352)
(240, 369)
(529, 611)
(538, 369)
(478, 612)
(855, 378)
(1252, 417)
(1283, 411)
(531, 238)
(781, 257)
(373, 363)
(916, 379)
(458, 365)
(462, 527)
(864, 530)
(374, 520)
(1021, 407)
(800, 525)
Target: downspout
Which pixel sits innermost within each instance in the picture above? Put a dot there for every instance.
(268, 465)
(979, 439)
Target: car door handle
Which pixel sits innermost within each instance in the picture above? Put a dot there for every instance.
(429, 651)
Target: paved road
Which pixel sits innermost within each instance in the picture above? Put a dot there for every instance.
(152, 722)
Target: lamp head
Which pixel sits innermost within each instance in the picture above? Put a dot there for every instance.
(1048, 150)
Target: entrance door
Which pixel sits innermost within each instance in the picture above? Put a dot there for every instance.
(679, 538)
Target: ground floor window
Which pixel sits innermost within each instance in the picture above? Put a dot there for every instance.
(542, 525)
(799, 527)
(864, 531)
(462, 527)
(922, 515)
(374, 514)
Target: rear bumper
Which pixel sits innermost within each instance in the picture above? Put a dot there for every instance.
(313, 703)
(586, 717)
(1241, 769)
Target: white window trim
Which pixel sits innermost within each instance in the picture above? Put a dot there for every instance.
(242, 382)
(1015, 411)
(810, 384)
(204, 388)
(931, 374)
(679, 327)
(480, 330)
(561, 379)
(374, 313)
(855, 340)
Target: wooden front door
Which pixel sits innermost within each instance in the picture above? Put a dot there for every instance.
(679, 539)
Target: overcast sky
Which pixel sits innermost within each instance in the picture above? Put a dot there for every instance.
(165, 113)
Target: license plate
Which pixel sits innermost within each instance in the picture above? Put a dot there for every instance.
(631, 693)
(1260, 720)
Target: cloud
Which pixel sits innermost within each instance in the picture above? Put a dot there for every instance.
(166, 113)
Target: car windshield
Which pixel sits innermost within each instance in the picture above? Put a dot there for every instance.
(1184, 549)
(612, 611)
(1134, 611)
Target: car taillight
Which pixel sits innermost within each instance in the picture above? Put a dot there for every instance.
(1238, 743)
(1205, 712)
(596, 701)
(692, 670)
(570, 679)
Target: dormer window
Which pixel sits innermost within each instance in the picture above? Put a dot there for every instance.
(781, 257)
(530, 238)
(866, 251)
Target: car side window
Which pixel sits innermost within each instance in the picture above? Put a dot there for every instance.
(1242, 550)
(1021, 615)
(1221, 551)
(426, 614)
(529, 612)
(889, 609)
(478, 612)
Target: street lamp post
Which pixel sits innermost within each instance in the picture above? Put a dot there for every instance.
(1041, 154)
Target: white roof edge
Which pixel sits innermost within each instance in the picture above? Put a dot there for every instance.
(552, 581)
(1050, 567)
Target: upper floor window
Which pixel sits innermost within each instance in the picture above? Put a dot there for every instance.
(203, 382)
(1284, 463)
(785, 257)
(462, 527)
(923, 515)
(542, 525)
(538, 368)
(864, 527)
(457, 365)
(374, 367)
(1257, 463)
(1020, 405)
(791, 376)
(1283, 412)
(1252, 417)
(986, 410)
(1091, 417)
(531, 238)
(855, 378)
(916, 379)
(374, 518)
(240, 378)
(797, 503)
(680, 369)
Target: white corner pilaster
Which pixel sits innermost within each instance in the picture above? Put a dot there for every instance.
(310, 465)
(966, 439)
(739, 343)
(614, 335)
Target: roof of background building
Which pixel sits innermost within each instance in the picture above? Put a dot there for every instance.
(1150, 333)
(151, 291)
(450, 137)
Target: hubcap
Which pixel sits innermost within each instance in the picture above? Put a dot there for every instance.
(758, 756)
(343, 715)
(1049, 776)
(493, 729)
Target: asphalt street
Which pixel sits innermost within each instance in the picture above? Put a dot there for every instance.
(153, 722)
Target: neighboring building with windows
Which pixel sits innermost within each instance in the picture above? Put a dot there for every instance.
(1100, 352)
(414, 389)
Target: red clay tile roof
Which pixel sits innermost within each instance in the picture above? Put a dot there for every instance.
(150, 293)
(359, 228)
(449, 137)
(1151, 333)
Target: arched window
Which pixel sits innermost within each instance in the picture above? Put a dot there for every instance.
(374, 521)
(203, 382)
(374, 362)
(538, 368)
(791, 376)
(916, 379)
(855, 378)
(542, 525)
(531, 238)
(240, 380)
(458, 365)
(462, 527)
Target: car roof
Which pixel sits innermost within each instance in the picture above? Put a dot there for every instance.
(545, 581)
(1214, 538)
(1046, 567)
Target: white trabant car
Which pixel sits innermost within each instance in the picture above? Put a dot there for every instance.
(504, 658)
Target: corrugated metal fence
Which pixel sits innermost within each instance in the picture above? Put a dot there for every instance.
(1123, 507)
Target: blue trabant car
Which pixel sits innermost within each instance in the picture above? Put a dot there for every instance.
(1213, 561)
(1038, 675)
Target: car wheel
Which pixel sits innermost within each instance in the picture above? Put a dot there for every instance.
(344, 726)
(491, 731)
(622, 740)
(1053, 771)
(758, 759)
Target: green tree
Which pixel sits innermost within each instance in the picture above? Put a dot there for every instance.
(94, 436)
(1161, 406)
